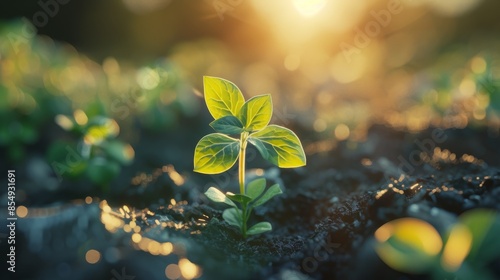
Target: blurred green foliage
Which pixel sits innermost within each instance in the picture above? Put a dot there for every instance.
(43, 82)
(96, 154)
(463, 252)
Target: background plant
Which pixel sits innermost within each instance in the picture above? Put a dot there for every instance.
(464, 252)
(217, 152)
(97, 154)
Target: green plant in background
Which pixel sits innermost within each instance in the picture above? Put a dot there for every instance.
(217, 152)
(97, 155)
(414, 246)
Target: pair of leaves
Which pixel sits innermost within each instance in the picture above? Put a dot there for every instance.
(254, 197)
(216, 152)
(232, 114)
(254, 194)
(234, 217)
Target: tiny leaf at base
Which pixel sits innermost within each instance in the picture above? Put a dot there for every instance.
(259, 228)
(256, 188)
(217, 196)
(233, 217)
(241, 198)
(270, 193)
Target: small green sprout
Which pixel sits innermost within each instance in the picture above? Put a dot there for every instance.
(97, 155)
(217, 152)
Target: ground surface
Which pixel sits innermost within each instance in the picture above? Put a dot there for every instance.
(323, 223)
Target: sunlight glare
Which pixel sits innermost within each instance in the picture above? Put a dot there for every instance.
(309, 8)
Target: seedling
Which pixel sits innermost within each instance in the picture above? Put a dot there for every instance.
(98, 155)
(217, 152)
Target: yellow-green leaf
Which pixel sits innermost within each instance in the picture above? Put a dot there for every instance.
(223, 98)
(408, 245)
(215, 153)
(280, 146)
(484, 225)
(256, 112)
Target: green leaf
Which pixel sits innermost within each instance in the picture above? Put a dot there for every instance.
(217, 196)
(223, 98)
(484, 225)
(260, 228)
(408, 245)
(270, 193)
(241, 198)
(227, 125)
(121, 152)
(102, 171)
(233, 217)
(101, 128)
(256, 112)
(215, 153)
(280, 146)
(256, 188)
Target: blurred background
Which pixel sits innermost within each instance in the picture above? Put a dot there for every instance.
(93, 94)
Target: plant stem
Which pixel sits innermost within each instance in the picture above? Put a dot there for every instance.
(241, 167)
(241, 178)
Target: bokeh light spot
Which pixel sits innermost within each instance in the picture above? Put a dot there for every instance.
(92, 256)
(22, 211)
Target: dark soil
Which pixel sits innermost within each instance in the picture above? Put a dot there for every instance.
(323, 223)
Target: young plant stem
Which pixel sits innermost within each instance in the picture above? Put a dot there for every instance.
(241, 177)
(241, 167)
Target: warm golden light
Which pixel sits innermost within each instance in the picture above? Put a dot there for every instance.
(136, 238)
(64, 122)
(188, 269)
(174, 175)
(166, 248)
(478, 65)
(172, 271)
(148, 78)
(309, 8)
(292, 62)
(22, 211)
(342, 132)
(92, 256)
(80, 117)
